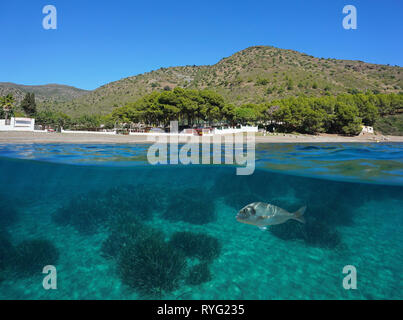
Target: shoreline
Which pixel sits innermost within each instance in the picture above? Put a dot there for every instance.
(88, 138)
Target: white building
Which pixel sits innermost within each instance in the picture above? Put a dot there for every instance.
(367, 129)
(233, 130)
(17, 124)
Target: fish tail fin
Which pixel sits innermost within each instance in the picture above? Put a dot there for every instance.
(299, 215)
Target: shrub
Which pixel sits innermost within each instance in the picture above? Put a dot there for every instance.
(262, 82)
(192, 205)
(32, 255)
(197, 245)
(151, 266)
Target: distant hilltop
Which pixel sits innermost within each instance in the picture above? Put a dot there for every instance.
(43, 93)
(254, 75)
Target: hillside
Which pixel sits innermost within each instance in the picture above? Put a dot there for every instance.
(44, 94)
(256, 74)
(259, 74)
(391, 124)
(118, 93)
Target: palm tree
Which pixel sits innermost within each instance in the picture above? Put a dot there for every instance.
(7, 103)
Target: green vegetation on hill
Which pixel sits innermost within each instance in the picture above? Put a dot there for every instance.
(45, 95)
(254, 75)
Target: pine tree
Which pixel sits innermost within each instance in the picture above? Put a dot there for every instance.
(28, 104)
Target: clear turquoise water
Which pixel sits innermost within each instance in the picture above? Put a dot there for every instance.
(77, 196)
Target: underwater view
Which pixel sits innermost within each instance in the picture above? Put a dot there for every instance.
(116, 227)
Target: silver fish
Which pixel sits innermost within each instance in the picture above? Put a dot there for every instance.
(264, 214)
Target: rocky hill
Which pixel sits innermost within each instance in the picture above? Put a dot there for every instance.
(255, 75)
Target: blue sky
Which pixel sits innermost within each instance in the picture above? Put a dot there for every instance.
(101, 41)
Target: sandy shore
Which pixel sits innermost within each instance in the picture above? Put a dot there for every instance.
(31, 137)
(289, 138)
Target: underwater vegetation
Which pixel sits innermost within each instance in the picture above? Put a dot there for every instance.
(89, 212)
(32, 255)
(85, 213)
(333, 203)
(199, 274)
(136, 199)
(6, 253)
(151, 266)
(314, 233)
(196, 245)
(318, 233)
(191, 205)
(123, 234)
(336, 200)
(8, 214)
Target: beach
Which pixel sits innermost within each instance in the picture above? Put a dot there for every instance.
(77, 138)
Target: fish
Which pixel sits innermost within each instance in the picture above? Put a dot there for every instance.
(262, 214)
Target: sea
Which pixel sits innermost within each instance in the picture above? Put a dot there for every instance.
(82, 221)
